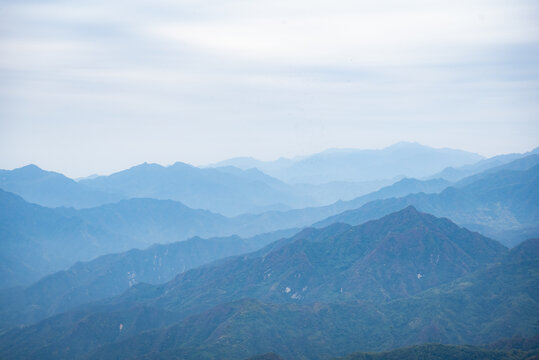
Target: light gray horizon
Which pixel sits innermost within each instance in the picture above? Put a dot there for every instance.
(98, 87)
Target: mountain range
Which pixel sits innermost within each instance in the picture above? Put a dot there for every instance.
(51, 189)
(341, 263)
(37, 248)
(231, 262)
(226, 190)
(455, 174)
(112, 274)
(37, 241)
(501, 204)
(401, 159)
(404, 279)
(229, 190)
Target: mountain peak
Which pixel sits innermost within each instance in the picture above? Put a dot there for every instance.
(30, 168)
(181, 165)
(32, 172)
(410, 209)
(393, 257)
(407, 215)
(528, 250)
(145, 166)
(406, 144)
(148, 165)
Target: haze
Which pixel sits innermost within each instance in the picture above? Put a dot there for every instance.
(94, 87)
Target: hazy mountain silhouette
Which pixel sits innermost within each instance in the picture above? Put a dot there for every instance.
(528, 250)
(38, 241)
(401, 159)
(502, 204)
(135, 223)
(459, 173)
(520, 164)
(331, 192)
(51, 189)
(401, 188)
(227, 190)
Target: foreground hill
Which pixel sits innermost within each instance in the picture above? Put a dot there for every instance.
(445, 352)
(498, 302)
(268, 356)
(204, 313)
(395, 256)
(112, 274)
(483, 307)
(438, 352)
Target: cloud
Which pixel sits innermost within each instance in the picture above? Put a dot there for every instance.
(198, 81)
(431, 36)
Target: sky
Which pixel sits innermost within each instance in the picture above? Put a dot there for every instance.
(98, 86)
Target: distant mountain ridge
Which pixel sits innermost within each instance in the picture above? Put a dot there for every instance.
(401, 159)
(502, 204)
(52, 189)
(232, 191)
(37, 241)
(459, 173)
(225, 190)
(141, 222)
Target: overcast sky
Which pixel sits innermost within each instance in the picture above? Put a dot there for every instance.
(97, 86)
